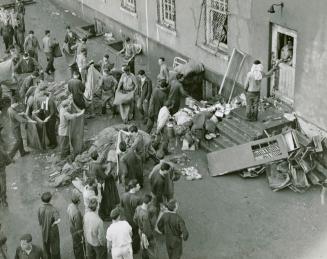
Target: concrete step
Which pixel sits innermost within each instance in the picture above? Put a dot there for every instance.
(232, 134)
(243, 127)
(218, 143)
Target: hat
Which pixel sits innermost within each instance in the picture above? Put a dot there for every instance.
(171, 205)
(26, 237)
(115, 213)
(75, 196)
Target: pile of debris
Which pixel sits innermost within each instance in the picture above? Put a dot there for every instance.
(289, 159)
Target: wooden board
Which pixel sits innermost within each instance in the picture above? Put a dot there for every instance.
(247, 155)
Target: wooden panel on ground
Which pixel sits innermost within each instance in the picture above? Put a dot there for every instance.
(247, 155)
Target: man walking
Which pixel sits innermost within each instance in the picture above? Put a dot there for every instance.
(119, 237)
(27, 249)
(31, 45)
(76, 225)
(7, 33)
(143, 94)
(16, 119)
(49, 219)
(107, 85)
(173, 227)
(47, 43)
(4, 161)
(94, 233)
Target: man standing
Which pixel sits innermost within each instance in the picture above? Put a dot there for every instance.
(4, 161)
(175, 93)
(48, 43)
(16, 118)
(77, 88)
(64, 117)
(49, 219)
(31, 45)
(129, 201)
(143, 94)
(19, 7)
(105, 64)
(143, 218)
(27, 249)
(19, 32)
(119, 237)
(94, 233)
(164, 71)
(51, 112)
(82, 64)
(81, 45)
(157, 101)
(253, 87)
(107, 85)
(3, 244)
(7, 33)
(76, 225)
(29, 81)
(173, 227)
(129, 53)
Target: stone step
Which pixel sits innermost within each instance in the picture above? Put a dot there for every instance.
(218, 143)
(232, 134)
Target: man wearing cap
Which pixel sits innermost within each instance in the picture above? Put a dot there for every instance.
(16, 116)
(173, 227)
(27, 83)
(107, 86)
(81, 45)
(253, 88)
(76, 225)
(48, 44)
(27, 249)
(49, 219)
(119, 237)
(94, 233)
(31, 45)
(63, 133)
(105, 64)
(26, 64)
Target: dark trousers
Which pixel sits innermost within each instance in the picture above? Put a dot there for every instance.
(78, 246)
(64, 147)
(51, 246)
(95, 252)
(50, 60)
(51, 131)
(136, 242)
(8, 41)
(149, 124)
(3, 186)
(252, 105)
(18, 144)
(174, 247)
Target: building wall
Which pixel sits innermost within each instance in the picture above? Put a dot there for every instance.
(248, 30)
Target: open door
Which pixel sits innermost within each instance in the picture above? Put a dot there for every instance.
(283, 47)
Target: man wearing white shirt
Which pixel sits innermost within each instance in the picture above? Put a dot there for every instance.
(119, 237)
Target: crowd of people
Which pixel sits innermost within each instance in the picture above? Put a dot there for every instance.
(136, 218)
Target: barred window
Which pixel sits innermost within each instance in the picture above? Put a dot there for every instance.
(166, 13)
(216, 22)
(129, 5)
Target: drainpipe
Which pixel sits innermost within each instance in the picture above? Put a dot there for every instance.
(82, 2)
(147, 32)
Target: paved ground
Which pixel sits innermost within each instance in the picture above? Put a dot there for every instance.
(227, 217)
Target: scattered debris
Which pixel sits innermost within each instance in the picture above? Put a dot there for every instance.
(191, 173)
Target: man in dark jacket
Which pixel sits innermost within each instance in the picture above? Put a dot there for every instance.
(7, 33)
(157, 101)
(143, 94)
(77, 88)
(27, 83)
(26, 64)
(27, 249)
(175, 94)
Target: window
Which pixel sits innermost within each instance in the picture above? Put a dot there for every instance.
(216, 23)
(166, 13)
(129, 5)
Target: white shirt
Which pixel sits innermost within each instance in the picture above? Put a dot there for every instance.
(119, 234)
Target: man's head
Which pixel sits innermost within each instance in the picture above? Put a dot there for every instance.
(115, 214)
(162, 84)
(179, 77)
(106, 58)
(147, 198)
(106, 71)
(122, 146)
(26, 242)
(46, 197)
(165, 168)
(257, 70)
(172, 205)
(68, 28)
(31, 33)
(141, 73)
(26, 55)
(127, 70)
(94, 155)
(75, 74)
(93, 204)
(128, 40)
(84, 40)
(161, 60)
(133, 185)
(47, 33)
(35, 74)
(75, 196)
(90, 182)
(133, 129)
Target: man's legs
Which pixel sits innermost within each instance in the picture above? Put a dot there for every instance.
(51, 131)
(249, 105)
(78, 247)
(100, 252)
(3, 188)
(174, 247)
(135, 239)
(6, 42)
(255, 102)
(149, 124)
(64, 147)
(18, 145)
(90, 251)
(47, 249)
